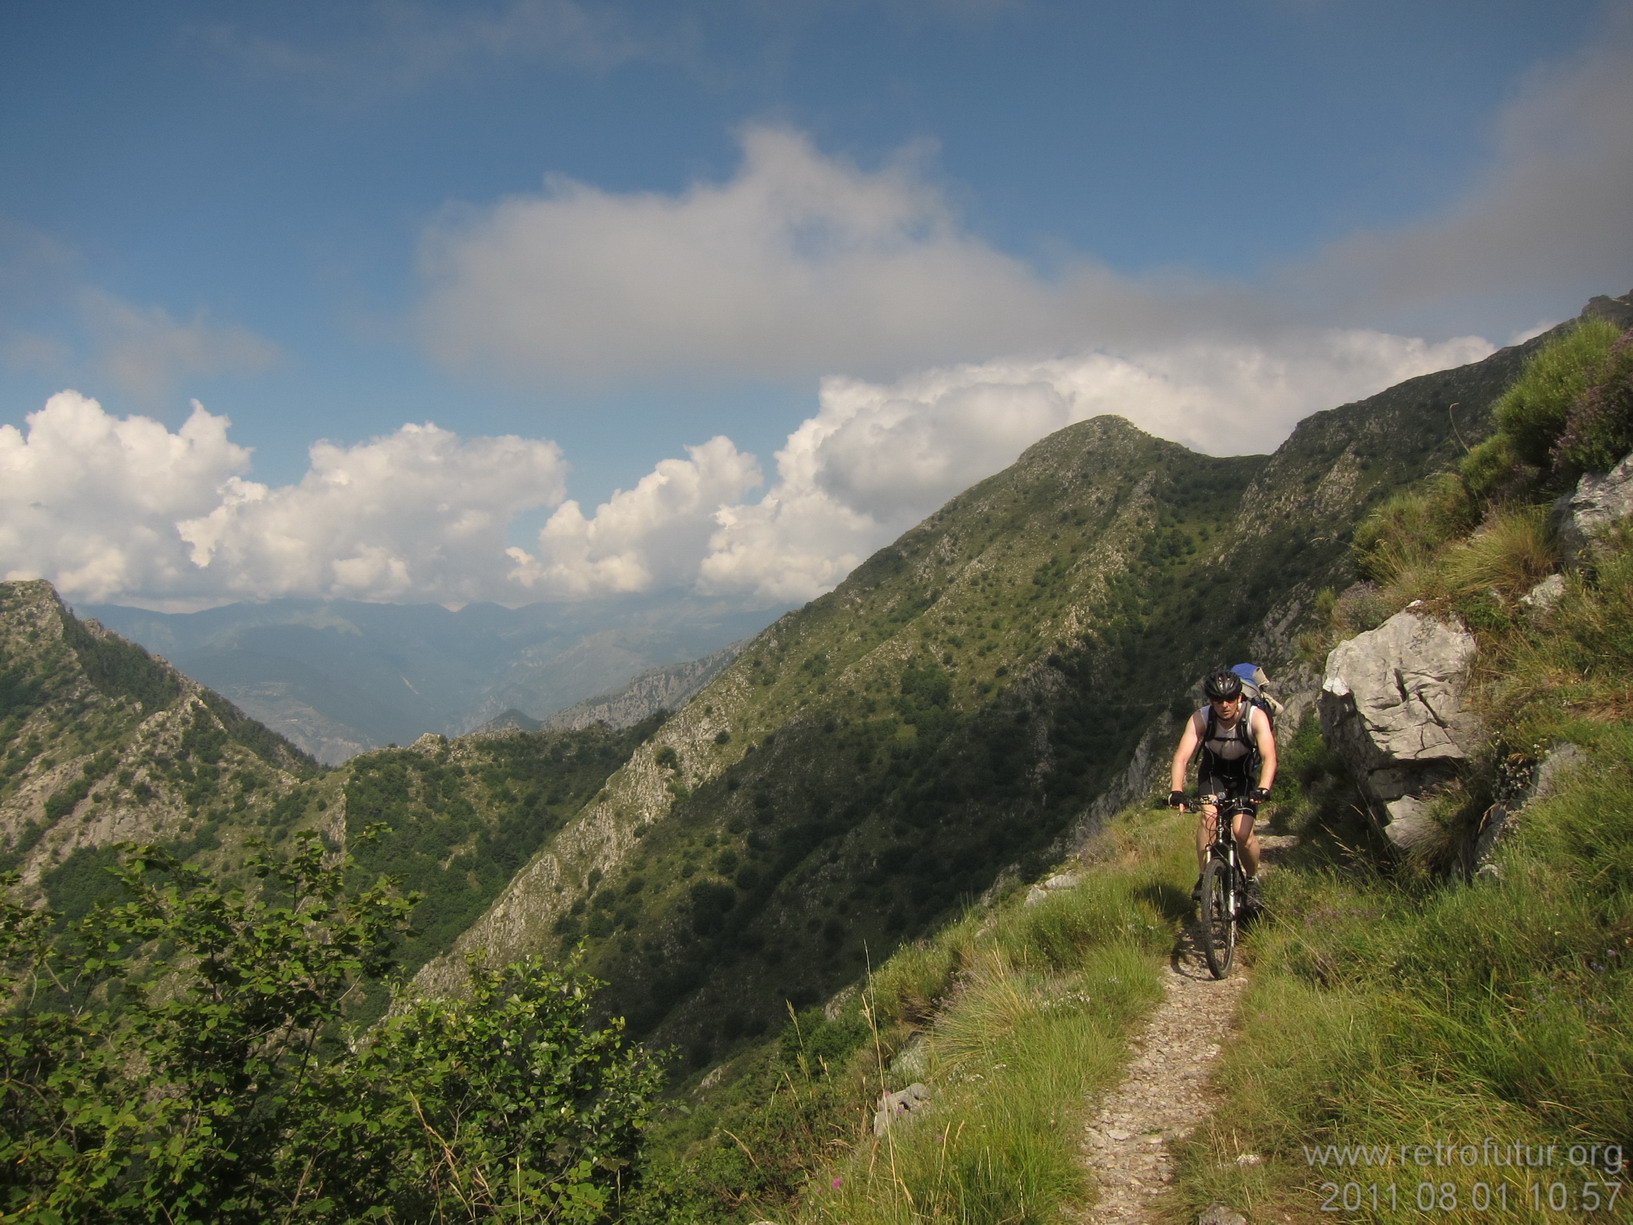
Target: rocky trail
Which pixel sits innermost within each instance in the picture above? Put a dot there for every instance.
(1165, 1093)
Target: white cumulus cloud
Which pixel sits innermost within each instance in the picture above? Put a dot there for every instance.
(649, 537)
(112, 508)
(122, 508)
(418, 515)
(91, 501)
(798, 265)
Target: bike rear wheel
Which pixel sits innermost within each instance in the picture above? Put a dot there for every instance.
(1218, 925)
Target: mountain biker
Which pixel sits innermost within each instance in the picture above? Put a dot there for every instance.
(1238, 759)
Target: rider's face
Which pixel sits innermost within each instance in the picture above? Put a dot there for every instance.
(1227, 706)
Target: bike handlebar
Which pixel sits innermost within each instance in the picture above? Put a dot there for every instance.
(1235, 804)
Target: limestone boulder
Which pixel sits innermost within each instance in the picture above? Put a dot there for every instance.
(896, 1108)
(1391, 706)
(1597, 503)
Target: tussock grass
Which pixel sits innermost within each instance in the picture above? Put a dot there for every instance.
(1574, 665)
(1389, 1013)
(907, 988)
(1039, 1004)
(1411, 1035)
(1510, 554)
(1403, 535)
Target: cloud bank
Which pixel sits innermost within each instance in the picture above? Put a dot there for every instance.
(1555, 204)
(797, 266)
(122, 508)
(800, 264)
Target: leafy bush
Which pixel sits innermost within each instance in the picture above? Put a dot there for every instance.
(1598, 430)
(190, 1062)
(506, 1104)
(1533, 412)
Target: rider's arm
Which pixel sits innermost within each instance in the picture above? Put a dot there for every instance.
(1183, 754)
(1265, 738)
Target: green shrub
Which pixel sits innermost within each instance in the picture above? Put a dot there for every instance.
(1533, 412)
(224, 1084)
(505, 1104)
(1598, 429)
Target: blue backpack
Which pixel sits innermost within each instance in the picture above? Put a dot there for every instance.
(1254, 686)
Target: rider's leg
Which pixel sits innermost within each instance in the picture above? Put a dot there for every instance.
(1205, 825)
(1204, 835)
(1248, 842)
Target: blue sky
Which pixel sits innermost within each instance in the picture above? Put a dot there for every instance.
(538, 299)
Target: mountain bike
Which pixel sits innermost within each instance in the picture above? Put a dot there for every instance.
(1224, 884)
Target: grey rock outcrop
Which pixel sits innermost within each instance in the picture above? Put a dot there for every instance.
(1392, 707)
(895, 1108)
(1597, 503)
(1038, 893)
(1542, 783)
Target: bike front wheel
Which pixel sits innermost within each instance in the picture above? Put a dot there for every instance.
(1218, 925)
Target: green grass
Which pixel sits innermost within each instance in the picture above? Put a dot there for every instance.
(1417, 1014)
(1533, 412)
(1010, 1067)
(1386, 1012)
(1014, 1016)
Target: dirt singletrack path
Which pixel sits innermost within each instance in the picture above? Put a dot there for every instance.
(1128, 1143)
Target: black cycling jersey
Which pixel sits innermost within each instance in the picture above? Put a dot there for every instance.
(1230, 757)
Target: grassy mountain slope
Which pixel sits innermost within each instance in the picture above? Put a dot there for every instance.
(873, 761)
(967, 700)
(104, 743)
(1418, 1039)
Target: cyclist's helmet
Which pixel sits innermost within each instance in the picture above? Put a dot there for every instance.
(1222, 685)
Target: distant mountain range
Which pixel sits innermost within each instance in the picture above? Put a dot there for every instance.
(339, 677)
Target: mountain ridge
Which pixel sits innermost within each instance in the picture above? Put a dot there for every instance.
(1072, 567)
(971, 696)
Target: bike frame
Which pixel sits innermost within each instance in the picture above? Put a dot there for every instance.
(1219, 929)
(1226, 811)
